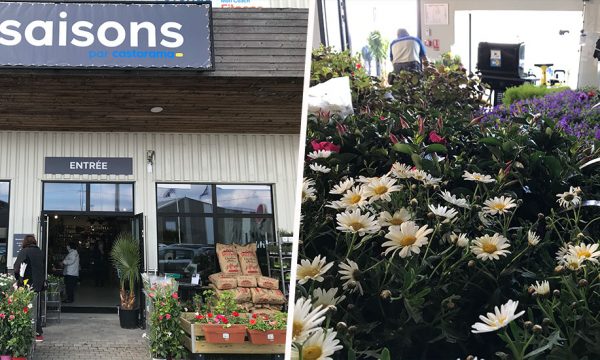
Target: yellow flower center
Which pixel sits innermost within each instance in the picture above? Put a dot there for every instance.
(297, 328)
(307, 272)
(501, 319)
(355, 199)
(499, 206)
(584, 253)
(489, 248)
(311, 352)
(396, 221)
(408, 240)
(356, 226)
(380, 190)
(477, 177)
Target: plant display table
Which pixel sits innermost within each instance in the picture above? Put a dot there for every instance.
(194, 341)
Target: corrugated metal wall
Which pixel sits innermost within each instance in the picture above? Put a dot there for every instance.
(221, 158)
(290, 4)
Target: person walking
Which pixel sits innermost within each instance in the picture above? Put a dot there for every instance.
(407, 53)
(29, 269)
(71, 271)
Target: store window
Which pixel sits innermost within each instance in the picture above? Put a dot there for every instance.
(88, 197)
(4, 212)
(189, 224)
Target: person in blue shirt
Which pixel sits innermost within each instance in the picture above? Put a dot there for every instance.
(407, 52)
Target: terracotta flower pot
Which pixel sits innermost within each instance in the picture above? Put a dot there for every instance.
(19, 358)
(236, 334)
(259, 337)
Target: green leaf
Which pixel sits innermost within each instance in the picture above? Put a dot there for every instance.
(553, 166)
(436, 148)
(404, 148)
(417, 161)
(385, 354)
(351, 355)
(490, 141)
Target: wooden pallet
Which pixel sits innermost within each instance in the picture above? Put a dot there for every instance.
(195, 343)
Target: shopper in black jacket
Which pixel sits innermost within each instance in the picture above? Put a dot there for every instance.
(32, 258)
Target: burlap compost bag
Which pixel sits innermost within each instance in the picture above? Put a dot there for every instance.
(267, 283)
(228, 259)
(223, 281)
(248, 259)
(246, 281)
(267, 296)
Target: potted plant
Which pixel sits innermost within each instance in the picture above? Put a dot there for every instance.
(165, 332)
(125, 256)
(264, 329)
(20, 332)
(223, 324)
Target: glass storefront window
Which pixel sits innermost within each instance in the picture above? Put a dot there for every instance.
(188, 228)
(244, 199)
(111, 197)
(4, 212)
(65, 197)
(184, 198)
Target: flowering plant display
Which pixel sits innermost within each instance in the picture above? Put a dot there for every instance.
(16, 329)
(165, 333)
(437, 235)
(263, 322)
(220, 309)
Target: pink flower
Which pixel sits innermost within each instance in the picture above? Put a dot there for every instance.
(175, 296)
(160, 317)
(342, 129)
(382, 118)
(393, 138)
(435, 138)
(358, 66)
(325, 145)
(151, 295)
(252, 321)
(11, 317)
(403, 124)
(168, 316)
(25, 309)
(2, 315)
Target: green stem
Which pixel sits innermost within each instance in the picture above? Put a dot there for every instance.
(512, 347)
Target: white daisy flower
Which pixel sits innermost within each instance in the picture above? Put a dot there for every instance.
(419, 175)
(401, 171)
(319, 168)
(320, 346)
(484, 218)
(448, 197)
(540, 289)
(399, 217)
(478, 177)
(499, 319)
(585, 252)
(351, 275)
(498, 205)
(406, 238)
(319, 154)
(572, 262)
(569, 198)
(326, 298)
(562, 252)
(490, 247)
(381, 188)
(308, 192)
(459, 240)
(312, 270)
(354, 198)
(353, 221)
(431, 181)
(532, 238)
(306, 319)
(447, 213)
(365, 179)
(342, 187)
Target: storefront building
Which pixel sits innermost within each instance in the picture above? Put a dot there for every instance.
(183, 156)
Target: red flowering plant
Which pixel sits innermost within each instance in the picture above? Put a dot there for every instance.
(264, 322)
(220, 309)
(165, 333)
(15, 318)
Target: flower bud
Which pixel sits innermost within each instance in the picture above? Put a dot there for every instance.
(332, 309)
(352, 330)
(537, 329)
(541, 216)
(559, 269)
(520, 202)
(580, 235)
(471, 263)
(528, 324)
(573, 304)
(350, 307)
(546, 322)
(450, 304)
(582, 283)
(341, 327)
(470, 357)
(413, 187)
(414, 202)
(531, 290)
(385, 294)
(430, 216)
(556, 293)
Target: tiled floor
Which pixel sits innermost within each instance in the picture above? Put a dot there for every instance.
(90, 337)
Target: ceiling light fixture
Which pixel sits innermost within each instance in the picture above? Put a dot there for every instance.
(156, 109)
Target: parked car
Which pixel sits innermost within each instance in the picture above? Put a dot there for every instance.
(186, 259)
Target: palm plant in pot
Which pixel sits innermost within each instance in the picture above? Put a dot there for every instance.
(125, 256)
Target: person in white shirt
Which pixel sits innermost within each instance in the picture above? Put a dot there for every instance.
(407, 52)
(71, 271)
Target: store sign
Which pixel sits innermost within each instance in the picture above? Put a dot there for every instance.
(88, 166)
(18, 243)
(241, 3)
(111, 35)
